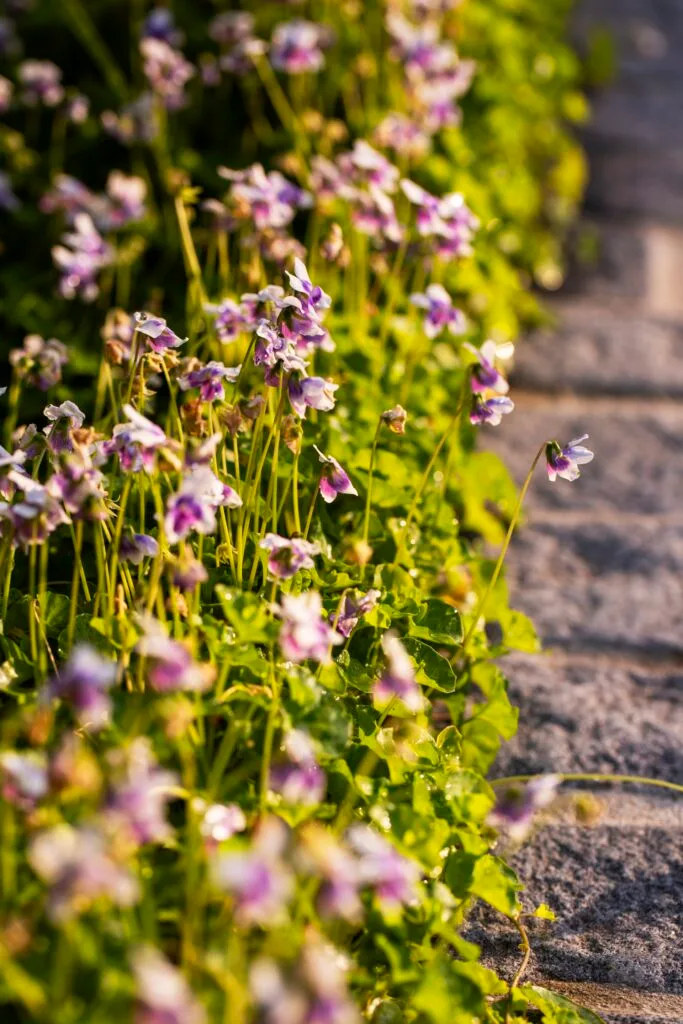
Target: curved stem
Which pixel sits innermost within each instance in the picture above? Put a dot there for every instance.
(479, 610)
(525, 946)
(642, 780)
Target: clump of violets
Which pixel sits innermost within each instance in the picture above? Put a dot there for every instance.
(41, 82)
(304, 633)
(193, 508)
(565, 461)
(166, 70)
(209, 379)
(137, 801)
(80, 258)
(490, 401)
(392, 877)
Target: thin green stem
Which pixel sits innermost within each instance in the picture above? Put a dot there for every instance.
(268, 738)
(481, 605)
(642, 780)
(371, 470)
(75, 582)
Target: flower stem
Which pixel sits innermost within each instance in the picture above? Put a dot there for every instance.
(371, 470)
(268, 741)
(479, 611)
(75, 583)
(642, 780)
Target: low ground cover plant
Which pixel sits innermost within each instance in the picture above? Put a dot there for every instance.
(249, 680)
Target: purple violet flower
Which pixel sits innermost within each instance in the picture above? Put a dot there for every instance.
(135, 547)
(188, 573)
(305, 633)
(24, 778)
(485, 376)
(404, 135)
(193, 507)
(80, 486)
(127, 195)
(354, 607)
(63, 419)
(167, 71)
(270, 200)
(79, 868)
(136, 122)
(160, 24)
(313, 294)
(517, 805)
(159, 335)
(441, 313)
(296, 46)
(565, 462)
(9, 201)
(392, 876)
(490, 410)
(219, 822)
(40, 362)
(36, 516)
(84, 682)
(324, 856)
(311, 393)
(136, 804)
(300, 780)
(42, 83)
(80, 259)
(288, 557)
(257, 879)
(136, 442)
(209, 379)
(397, 681)
(365, 165)
(171, 666)
(232, 319)
(334, 479)
(231, 27)
(163, 994)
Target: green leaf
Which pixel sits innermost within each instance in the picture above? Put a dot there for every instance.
(488, 878)
(247, 614)
(437, 622)
(545, 913)
(432, 669)
(558, 1009)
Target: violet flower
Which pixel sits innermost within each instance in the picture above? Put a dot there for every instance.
(137, 121)
(188, 573)
(35, 517)
(517, 805)
(193, 507)
(232, 319)
(391, 876)
(565, 462)
(135, 547)
(373, 213)
(79, 868)
(42, 83)
(160, 24)
(313, 294)
(270, 200)
(334, 479)
(63, 419)
(231, 27)
(256, 878)
(441, 313)
(157, 332)
(80, 486)
(395, 419)
(485, 376)
(80, 259)
(404, 135)
(305, 634)
(311, 393)
(299, 780)
(219, 822)
(84, 683)
(490, 410)
(40, 362)
(296, 46)
(136, 442)
(9, 201)
(24, 778)
(365, 165)
(288, 557)
(323, 855)
(354, 606)
(167, 71)
(209, 379)
(170, 667)
(163, 994)
(127, 194)
(136, 803)
(397, 681)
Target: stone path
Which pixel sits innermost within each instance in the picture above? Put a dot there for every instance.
(599, 565)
